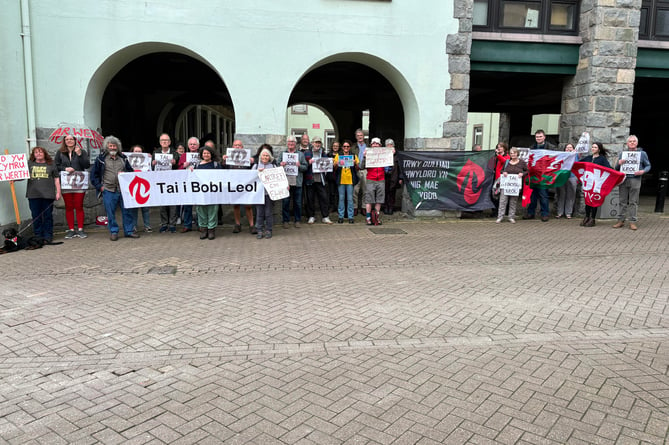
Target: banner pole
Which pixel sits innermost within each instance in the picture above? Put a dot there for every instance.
(16, 204)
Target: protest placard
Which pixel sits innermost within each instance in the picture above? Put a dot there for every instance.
(275, 182)
(632, 162)
(292, 160)
(240, 157)
(140, 162)
(583, 145)
(163, 161)
(346, 161)
(193, 159)
(510, 184)
(378, 157)
(322, 165)
(523, 153)
(13, 167)
(74, 181)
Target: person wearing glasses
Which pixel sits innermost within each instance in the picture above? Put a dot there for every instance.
(346, 178)
(295, 183)
(168, 214)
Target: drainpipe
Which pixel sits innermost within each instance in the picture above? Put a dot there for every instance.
(28, 74)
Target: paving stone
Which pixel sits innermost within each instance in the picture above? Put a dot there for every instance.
(343, 336)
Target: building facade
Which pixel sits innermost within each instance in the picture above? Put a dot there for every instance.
(230, 69)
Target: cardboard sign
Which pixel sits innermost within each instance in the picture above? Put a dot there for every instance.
(632, 162)
(378, 157)
(13, 167)
(346, 161)
(74, 181)
(292, 161)
(239, 157)
(193, 159)
(275, 182)
(510, 184)
(322, 165)
(583, 145)
(163, 161)
(140, 162)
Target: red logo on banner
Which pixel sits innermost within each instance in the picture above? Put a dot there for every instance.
(472, 170)
(139, 189)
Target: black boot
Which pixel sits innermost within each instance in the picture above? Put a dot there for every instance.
(211, 233)
(203, 233)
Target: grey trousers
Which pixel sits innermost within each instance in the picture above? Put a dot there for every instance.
(628, 199)
(513, 202)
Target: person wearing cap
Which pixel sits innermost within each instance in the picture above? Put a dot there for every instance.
(315, 184)
(375, 188)
(393, 181)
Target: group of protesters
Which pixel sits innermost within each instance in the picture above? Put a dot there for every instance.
(336, 191)
(507, 162)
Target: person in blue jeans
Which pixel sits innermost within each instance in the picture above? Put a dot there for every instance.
(539, 194)
(346, 178)
(295, 183)
(104, 177)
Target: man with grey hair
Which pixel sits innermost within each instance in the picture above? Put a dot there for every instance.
(295, 184)
(193, 144)
(104, 178)
(628, 190)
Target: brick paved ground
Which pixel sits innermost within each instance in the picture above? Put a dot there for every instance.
(459, 331)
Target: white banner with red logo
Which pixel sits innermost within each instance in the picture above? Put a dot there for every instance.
(198, 187)
(597, 181)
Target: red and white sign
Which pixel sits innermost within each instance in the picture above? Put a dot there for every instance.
(13, 167)
(197, 187)
(597, 181)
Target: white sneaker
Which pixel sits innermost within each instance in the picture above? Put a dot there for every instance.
(499, 220)
(311, 220)
(326, 220)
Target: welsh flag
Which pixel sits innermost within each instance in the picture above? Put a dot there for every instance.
(549, 168)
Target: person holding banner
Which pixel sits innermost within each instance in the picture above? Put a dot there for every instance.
(566, 195)
(145, 210)
(538, 193)
(265, 212)
(42, 190)
(375, 188)
(187, 210)
(104, 177)
(393, 181)
(237, 208)
(359, 150)
(346, 175)
(71, 158)
(513, 166)
(598, 156)
(207, 215)
(629, 189)
(295, 181)
(165, 158)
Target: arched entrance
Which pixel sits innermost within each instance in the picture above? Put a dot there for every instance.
(144, 90)
(347, 85)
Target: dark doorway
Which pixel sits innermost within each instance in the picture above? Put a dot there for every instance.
(160, 86)
(345, 89)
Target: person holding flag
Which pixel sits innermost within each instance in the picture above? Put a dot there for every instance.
(539, 193)
(598, 156)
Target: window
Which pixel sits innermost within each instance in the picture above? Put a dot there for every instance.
(299, 109)
(298, 132)
(654, 20)
(528, 16)
(478, 135)
(329, 139)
